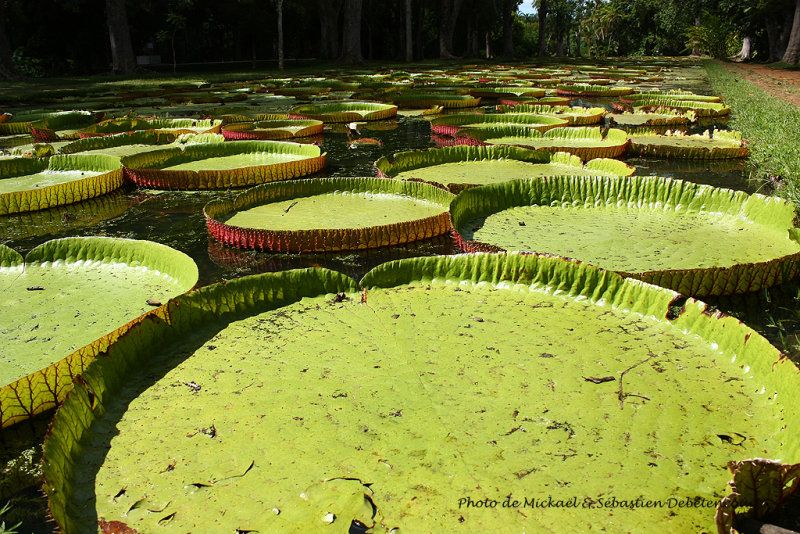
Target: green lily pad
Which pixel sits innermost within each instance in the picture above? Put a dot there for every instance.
(507, 91)
(464, 166)
(346, 111)
(415, 99)
(673, 93)
(419, 393)
(593, 89)
(116, 126)
(665, 118)
(575, 116)
(702, 109)
(122, 144)
(723, 145)
(452, 124)
(330, 215)
(543, 101)
(585, 142)
(696, 239)
(65, 303)
(273, 129)
(223, 165)
(29, 184)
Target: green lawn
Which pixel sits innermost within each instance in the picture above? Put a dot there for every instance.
(771, 125)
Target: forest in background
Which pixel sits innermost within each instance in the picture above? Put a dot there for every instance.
(76, 37)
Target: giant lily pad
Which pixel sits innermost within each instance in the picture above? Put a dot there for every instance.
(330, 215)
(673, 93)
(665, 118)
(29, 184)
(722, 145)
(452, 124)
(696, 239)
(346, 111)
(64, 304)
(507, 91)
(543, 101)
(315, 407)
(585, 89)
(223, 165)
(411, 99)
(575, 116)
(119, 145)
(702, 109)
(273, 129)
(463, 166)
(115, 126)
(585, 142)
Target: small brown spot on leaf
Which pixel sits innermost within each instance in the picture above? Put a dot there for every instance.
(153, 302)
(599, 380)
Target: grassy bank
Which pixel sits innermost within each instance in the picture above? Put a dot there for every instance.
(771, 125)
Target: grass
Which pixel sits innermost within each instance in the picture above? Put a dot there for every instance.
(771, 125)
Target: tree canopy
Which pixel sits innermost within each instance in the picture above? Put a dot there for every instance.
(33, 43)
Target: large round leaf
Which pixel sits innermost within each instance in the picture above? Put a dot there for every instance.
(115, 126)
(273, 129)
(696, 239)
(29, 184)
(64, 304)
(330, 215)
(722, 145)
(585, 89)
(122, 144)
(464, 166)
(663, 118)
(274, 404)
(575, 116)
(585, 142)
(223, 165)
(452, 124)
(346, 111)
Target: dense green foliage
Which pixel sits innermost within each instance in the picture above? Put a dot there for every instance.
(246, 31)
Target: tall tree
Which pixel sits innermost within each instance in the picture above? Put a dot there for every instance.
(409, 42)
(6, 66)
(509, 8)
(351, 41)
(122, 59)
(279, 5)
(448, 16)
(542, 28)
(329, 12)
(792, 55)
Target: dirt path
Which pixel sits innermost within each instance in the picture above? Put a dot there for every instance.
(780, 83)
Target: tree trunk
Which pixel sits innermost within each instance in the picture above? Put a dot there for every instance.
(280, 33)
(578, 41)
(329, 27)
(409, 41)
(744, 53)
(542, 28)
(696, 51)
(351, 30)
(448, 14)
(7, 71)
(792, 55)
(560, 35)
(508, 27)
(122, 59)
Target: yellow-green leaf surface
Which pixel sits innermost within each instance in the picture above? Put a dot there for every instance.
(472, 166)
(273, 405)
(115, 126)
(330, 214)
(585, 142)
(450, 124)
(665, 117)
(119, 145)
(346, 111)
(222, 165)
(721, 145)
(66, 295)
(575, 116)
(693, 238)
(29, 184)
(273, 129)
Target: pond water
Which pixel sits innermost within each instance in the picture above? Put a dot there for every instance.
(176, 219)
